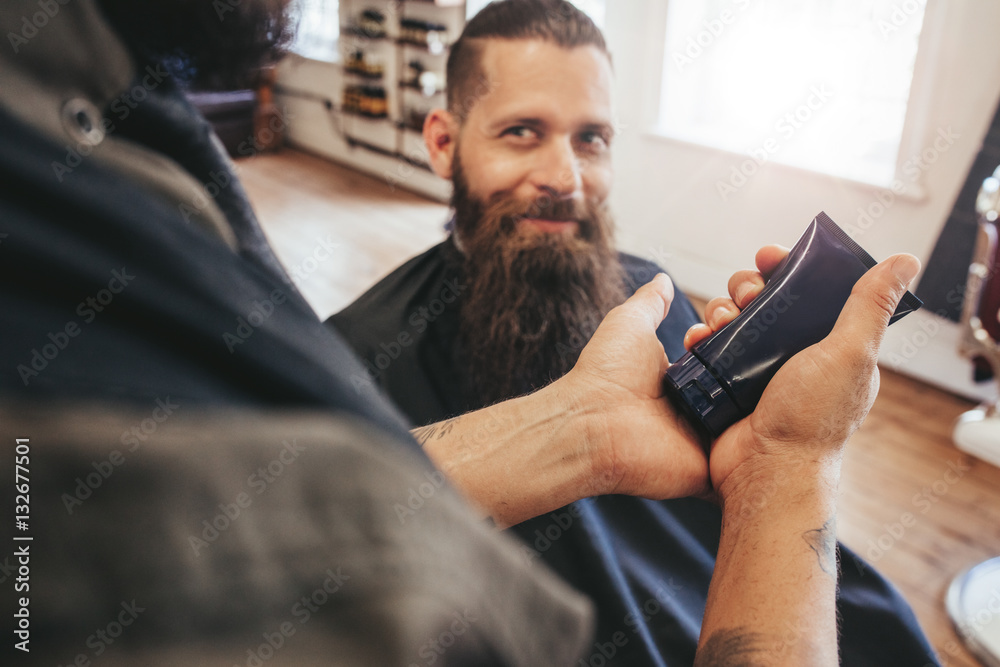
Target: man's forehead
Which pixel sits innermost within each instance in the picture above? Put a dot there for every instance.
(526, 71)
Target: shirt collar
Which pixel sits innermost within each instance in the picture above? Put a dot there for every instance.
(63, 64)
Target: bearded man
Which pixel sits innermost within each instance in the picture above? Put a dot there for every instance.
(505, 304)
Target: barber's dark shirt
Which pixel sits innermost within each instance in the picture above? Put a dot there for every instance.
(646, 564)
(111, 300)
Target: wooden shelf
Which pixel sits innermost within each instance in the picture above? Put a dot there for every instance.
(362, 75)
(405, 40)
(357, 114)
(423, 46)
(409, 85)
(355, 31)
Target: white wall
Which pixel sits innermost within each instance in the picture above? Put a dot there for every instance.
(668, 208)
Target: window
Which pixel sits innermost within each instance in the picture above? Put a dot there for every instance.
(820, 84)
(318, 29)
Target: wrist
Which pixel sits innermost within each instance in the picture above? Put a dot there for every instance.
(768, 483)
(588, 431)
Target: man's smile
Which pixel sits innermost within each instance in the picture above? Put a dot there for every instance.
(548, 226)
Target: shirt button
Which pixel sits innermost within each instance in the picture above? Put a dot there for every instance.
(83, 121)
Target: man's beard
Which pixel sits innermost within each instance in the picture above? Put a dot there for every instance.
(215, 44)
(533, 299)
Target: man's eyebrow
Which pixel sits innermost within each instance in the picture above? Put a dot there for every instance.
(532, 122)
(600, 127)
(514, 121)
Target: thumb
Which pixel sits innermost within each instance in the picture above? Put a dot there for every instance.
(650, 303)
(873, 300)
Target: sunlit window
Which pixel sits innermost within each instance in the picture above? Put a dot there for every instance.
(318, 29)
(820, 84)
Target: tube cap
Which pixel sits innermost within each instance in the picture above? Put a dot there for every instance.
(697, 392)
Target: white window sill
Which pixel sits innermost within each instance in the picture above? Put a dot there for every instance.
(911, 191)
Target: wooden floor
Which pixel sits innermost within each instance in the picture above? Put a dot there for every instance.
(913, 505)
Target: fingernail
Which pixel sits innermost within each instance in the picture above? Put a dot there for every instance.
(720, 313)
(906, 268)
(744, 290)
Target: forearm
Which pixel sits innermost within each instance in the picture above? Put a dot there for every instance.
(517, 459)
(773, 594)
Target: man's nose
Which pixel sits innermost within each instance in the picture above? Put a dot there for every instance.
(558, 172)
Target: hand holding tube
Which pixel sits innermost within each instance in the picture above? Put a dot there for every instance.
(772, 597)
(819, 397)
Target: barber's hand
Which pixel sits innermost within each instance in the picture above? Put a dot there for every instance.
(822, 394)
(639, 444)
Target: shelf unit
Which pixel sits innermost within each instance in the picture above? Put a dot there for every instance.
(394, 72)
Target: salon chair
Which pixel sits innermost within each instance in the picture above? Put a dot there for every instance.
(978, 431)
(973, 599)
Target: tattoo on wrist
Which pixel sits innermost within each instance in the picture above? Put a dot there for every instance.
(424, 434)
(731, 647)
(823, 541)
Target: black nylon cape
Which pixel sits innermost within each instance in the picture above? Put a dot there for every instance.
(645, 564)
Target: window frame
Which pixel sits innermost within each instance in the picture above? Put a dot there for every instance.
(916, 134)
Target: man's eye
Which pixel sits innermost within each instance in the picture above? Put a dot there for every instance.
(594, 139)
(520, 131)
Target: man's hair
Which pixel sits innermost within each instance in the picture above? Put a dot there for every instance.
(555, 21)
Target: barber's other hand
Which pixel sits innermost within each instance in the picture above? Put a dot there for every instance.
(821, 395)
(640, 446)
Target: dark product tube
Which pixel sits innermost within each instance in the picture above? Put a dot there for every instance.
(723, 377)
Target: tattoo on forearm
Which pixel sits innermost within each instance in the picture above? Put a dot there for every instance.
(424, 434)
(823, 541)
(731, 647)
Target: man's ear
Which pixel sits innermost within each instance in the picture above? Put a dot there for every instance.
(440, 135)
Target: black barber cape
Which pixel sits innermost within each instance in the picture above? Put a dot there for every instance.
(646, 564)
